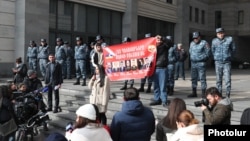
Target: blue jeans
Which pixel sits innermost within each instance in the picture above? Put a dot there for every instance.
(81, 69)
(42, 65)
(220, 69)
(160, 78)
(179, 69)
(198, 70)
(170, 81)
(68, 64)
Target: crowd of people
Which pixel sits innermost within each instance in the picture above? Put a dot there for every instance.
(134, 121)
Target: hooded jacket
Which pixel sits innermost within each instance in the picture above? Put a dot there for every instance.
(220, 113)
(190, 133)
(134, 123)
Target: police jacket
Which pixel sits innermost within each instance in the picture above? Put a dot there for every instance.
(224, 49)
(32, 52)
(81, 52)
(69, 53)
(43, 52)
(56, 76)
(199, 52)
(60, 53)
(162, 56)
(172, 55)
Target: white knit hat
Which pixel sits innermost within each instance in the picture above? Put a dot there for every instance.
(88, 111)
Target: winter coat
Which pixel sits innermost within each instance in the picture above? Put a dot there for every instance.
(199, 52)
(90, 132)
(133, 123)
(220, 113)
(99, 95)
(161, 131)
(57, 75)
(190, 133)
(20, 75)
(223, 50)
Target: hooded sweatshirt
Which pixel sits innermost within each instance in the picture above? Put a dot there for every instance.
(134, 123)
(220, 113)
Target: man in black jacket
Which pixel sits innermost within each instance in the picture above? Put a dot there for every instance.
(32, 82)
(53, 79)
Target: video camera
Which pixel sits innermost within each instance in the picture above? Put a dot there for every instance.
(201, 102)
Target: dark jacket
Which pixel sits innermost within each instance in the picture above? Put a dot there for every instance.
(162, 56)
(220, 113)
(134, 123)
(22, 72)
(161, 131)
(32, 84)
(57, 74)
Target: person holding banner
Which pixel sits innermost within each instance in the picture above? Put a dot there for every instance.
(128, 67)
(160, 75)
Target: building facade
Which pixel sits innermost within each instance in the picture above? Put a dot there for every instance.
(25, 20)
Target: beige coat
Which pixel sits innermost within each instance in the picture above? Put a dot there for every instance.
(99, 95)
(190, 133)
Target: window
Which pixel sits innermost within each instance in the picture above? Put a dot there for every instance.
(190, 13)
(217, 19)
(196, 15)
(202, 17)
(241, 17)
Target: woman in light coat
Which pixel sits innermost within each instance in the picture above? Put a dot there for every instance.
(99, 84)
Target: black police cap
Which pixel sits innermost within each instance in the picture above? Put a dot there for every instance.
(126, 39)
(196, 34)
(98, 37)
(169, 38)
(219, 30)
(43, 40)
(59, 39)
(147, 35)
(78, 39)
(32, 42)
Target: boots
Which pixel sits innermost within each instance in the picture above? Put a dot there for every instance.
(203, 93)
(77, 82)
(141, 89)
(84, 82)
(149, 88)
(131, 85)
(124, 87)
(171, 91)
(194, 93)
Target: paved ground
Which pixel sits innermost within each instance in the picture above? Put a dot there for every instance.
(240, 94)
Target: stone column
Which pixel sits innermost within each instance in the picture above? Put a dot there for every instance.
(32, 23)
(182, 25)
(130, 19)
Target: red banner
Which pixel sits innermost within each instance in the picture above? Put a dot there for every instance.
(132, 60)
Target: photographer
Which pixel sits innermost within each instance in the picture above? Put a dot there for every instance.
(221, 108)
(32, 82)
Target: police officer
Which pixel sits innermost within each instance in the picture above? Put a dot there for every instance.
(81, 56)
(199, 53)
(32, 53)
(223, 49)
(149, 79)
(172, 58)
(131, 81)
(43, 54)
(60, 55)
(100, 39)
(69, 57)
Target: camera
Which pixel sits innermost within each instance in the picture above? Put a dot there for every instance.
(201, 102)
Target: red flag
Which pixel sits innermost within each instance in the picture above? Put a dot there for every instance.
(132, 60)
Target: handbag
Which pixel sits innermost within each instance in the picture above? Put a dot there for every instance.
(7, 127)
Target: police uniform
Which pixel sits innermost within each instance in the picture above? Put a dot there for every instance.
(223, 51)
(60, 56)
(100, 39)
(81, 56)
(172, 58)
(69, 56)
(131, 81)
(199, 53)
(32, 53)
(43, 54)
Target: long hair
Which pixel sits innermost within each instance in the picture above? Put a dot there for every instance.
(176, 106)
(102, 74)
